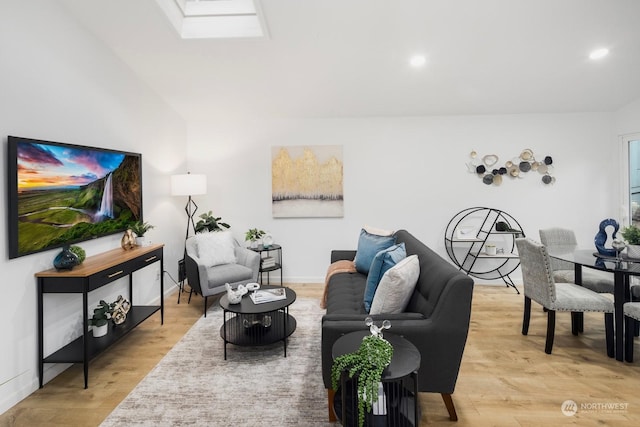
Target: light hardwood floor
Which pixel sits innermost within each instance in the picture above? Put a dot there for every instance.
(506, 379)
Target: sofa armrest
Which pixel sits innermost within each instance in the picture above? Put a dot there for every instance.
(342, 254)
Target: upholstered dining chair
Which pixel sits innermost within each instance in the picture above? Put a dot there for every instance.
(562, 239)
(539, 286)
(632, 317)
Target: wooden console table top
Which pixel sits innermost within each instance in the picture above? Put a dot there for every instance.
(102, 261)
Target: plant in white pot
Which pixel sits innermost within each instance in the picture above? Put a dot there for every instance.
(100, 320)
(140, 228)
(632, 235)
(253, 235)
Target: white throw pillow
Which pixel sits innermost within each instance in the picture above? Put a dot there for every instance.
(216, 248)
(396, 287)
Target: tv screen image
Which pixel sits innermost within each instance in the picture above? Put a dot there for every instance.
(63, 193)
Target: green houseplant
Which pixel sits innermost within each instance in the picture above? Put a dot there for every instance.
(100, 319)
(632, 235)
(80, 253)
(367, 364)
(140, 228)
(210, 223)
(253, 235)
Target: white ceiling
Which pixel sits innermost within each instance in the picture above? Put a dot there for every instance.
(345, 58)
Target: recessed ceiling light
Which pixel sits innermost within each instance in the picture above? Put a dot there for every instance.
(417, 60)
(599, 53)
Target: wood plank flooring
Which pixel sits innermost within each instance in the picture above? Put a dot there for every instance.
(506, 379)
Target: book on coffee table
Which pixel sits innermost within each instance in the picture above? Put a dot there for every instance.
(268, 295)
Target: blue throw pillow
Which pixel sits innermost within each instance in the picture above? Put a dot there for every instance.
(368, 246)
(383, 261)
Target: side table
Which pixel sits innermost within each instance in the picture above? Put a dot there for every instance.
(398, 405)
(276, 264)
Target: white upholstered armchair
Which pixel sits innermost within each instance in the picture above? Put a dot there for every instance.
(214, 259)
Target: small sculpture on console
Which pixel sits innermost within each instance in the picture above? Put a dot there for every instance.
(128, 240)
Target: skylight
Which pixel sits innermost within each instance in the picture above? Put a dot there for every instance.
(194, 19)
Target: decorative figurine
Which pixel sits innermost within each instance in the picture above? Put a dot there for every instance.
(128, 240)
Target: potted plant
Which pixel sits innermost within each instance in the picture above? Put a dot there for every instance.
(80, 253)
(253, 235)
(210, 223)
(100, 320)
(632, 235)
(140, 228)
(367, 364)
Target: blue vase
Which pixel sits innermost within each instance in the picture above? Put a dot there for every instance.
(65, 260)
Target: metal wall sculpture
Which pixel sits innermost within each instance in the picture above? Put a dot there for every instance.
(487, 167)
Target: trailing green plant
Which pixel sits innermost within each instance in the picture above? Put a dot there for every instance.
(102, 313)
(631, 234)
(80, 253)
(140, 228)
(210, 223)
(367, 364)
(254, 234)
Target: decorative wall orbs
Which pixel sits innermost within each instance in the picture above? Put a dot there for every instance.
(517, 167)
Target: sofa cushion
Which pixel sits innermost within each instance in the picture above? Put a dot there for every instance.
(216, 248)
(383, 261)
(344, 294)
(396, 287)
(368, 246)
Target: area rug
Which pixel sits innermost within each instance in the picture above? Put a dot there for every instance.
(194, 386)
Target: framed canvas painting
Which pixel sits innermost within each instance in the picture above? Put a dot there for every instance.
(306, 181)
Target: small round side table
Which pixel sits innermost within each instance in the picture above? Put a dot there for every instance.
(397, 403)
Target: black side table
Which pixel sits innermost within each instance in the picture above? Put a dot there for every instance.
(399, 405)
(269, 268)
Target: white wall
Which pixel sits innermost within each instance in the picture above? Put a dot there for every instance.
(58, 83)
(409, 173)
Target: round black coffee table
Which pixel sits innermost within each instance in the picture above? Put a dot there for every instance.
(398, 401)
(250, 324)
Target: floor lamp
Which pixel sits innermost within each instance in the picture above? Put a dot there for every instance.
(187, 185)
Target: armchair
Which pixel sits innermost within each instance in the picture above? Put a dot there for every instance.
(231, 264)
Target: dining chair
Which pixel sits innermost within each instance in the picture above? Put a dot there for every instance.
(564, 240)
(540, 286)
(632, 318)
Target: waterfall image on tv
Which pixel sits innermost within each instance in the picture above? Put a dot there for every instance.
(62, 193)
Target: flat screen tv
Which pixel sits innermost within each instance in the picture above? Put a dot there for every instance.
(61, 194)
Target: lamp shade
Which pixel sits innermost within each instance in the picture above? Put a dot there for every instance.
(188, 184)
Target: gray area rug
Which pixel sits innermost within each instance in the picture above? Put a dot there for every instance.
(194, 386)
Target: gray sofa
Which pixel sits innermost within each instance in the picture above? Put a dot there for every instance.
(436, 320)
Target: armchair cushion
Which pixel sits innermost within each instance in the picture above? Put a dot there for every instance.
(396, 287)
(215, 248)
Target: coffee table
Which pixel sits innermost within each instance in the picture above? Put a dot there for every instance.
(249, 324)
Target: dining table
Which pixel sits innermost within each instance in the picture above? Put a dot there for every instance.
(622, 267)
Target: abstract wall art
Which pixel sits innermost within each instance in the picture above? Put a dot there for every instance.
(306, 181)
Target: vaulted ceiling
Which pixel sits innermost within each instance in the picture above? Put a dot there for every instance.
(346, 58)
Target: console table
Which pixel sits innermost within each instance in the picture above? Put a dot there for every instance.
(93, 273)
